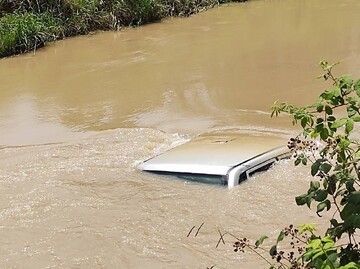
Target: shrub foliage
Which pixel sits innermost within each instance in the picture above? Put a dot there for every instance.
(335, 167)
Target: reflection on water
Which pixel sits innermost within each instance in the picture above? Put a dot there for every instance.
(72, 196)
(21, 124)
(188, 74)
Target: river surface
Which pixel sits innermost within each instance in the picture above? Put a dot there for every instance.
(78, 117)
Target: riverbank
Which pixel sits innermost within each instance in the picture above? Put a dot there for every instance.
(31, 24)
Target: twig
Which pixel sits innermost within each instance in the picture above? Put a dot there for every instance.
(221, 238)
(199, 229)
(190, 231)
(197, 232)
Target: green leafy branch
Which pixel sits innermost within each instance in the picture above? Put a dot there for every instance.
(327, 142)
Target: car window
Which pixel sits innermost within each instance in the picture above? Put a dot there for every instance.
(209, 179)
(202, 178)
(242, 177)
(260, 167)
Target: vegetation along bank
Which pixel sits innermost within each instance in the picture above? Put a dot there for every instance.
(29, 24)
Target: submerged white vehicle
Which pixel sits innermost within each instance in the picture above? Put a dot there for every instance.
(220, 159)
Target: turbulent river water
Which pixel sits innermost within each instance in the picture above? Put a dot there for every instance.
(78, 117)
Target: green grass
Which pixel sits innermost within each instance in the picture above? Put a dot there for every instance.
(29, 24)
(26, 32)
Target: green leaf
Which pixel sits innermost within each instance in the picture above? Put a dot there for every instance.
(297, 161)
(355, 197)
(315, 167)
(349, 210)
(351, 111)
(350, 265)
(273, 250)
(336, 101)
(261, 240)
(338, 123)
(327, 239)
(306, 228)
(315, 243)
(334, 222)
(304, 121)
(345, 82)
(331, 188)
(307, 255)
(325, 167)
(325, 183)
(331, 118)
(319, 253)
(314, 134)
(329, 245)
(324, 134)
(344, 143)
(301, 200)
(320, 195)
(327, 95)
(319, 108)
(321, 206)
(340, 192)
(350, 186)
(353, 221)
(280, 237)
(324, 65)
(332, 258)
(319, 120)
(357, 87)
(356, 118)
(307, 199)
(349, 126)
(314, 185)
(319, 127)
(337, 92)
(328, 110)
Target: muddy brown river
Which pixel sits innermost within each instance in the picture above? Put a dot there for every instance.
(78, 117)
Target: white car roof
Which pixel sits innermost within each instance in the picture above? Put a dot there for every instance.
(213, 154)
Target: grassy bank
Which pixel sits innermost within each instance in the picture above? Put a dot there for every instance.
(29, 24)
